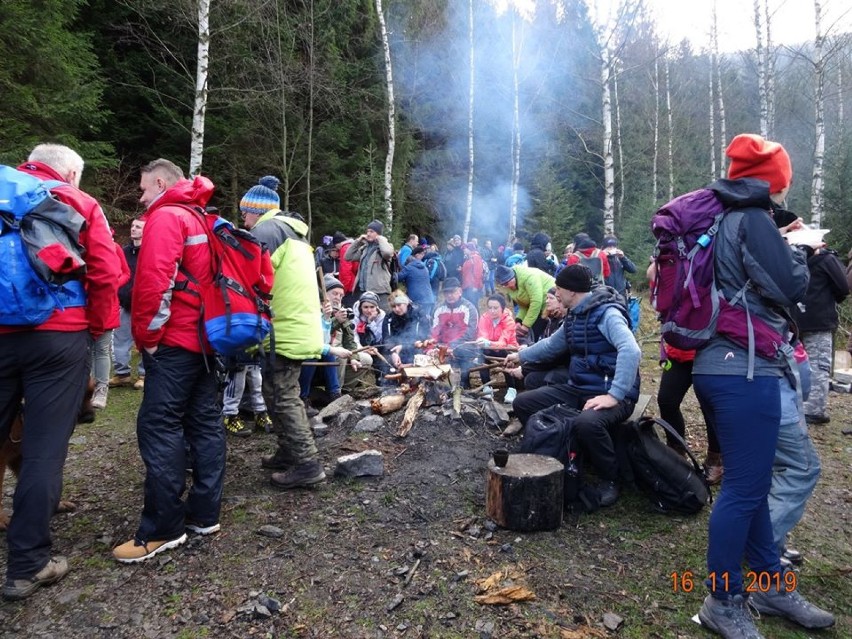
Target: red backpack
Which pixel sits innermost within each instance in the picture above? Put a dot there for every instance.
(235, 311)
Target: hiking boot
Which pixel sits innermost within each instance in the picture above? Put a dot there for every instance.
(198, 529)
(132, 552)
(236, 426)
(99, 397)
(301, 476)
(793, 556)
(511, 394)
(817, 419)
(275, 462)
(608, 492)
(730, 618)
(713, 469)
(310, 410)
(791, 605)
(16, 589)
(139, 384)
(120, 380)
(262, 421)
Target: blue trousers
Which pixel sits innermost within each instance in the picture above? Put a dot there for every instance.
(48, 369)
(180, 409)
(747, 416)
(332, 377)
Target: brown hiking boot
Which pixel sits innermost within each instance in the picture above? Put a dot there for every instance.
(302, 476)
(16, 589)
(713, 469)
(275, 461)
(120, 380)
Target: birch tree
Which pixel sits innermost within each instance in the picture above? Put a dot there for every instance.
(720, 98)
(761, 70)
(196, 152)
(654, 165)
(770, 56)
(817, 184)
(618, 143)
(670, 127)
(391, 119)
(470, 113)
(517, 44)
(712, 104)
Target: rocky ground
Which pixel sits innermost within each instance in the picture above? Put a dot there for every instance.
(404, 555)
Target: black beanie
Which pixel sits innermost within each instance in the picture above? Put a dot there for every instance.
(583, 241)
(577, 278)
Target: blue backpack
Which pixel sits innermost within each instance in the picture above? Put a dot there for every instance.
(42, 259)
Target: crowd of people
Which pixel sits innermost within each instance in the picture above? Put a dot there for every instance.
(355, 309)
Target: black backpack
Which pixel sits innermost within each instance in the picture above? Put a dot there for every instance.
(673, 484)
(551, 432)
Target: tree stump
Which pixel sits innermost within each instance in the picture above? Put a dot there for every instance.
(526, 494)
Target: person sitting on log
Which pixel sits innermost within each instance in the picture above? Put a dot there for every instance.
(603, 371)
(403, 326)
(495, 332)
(454, 326)
(531, 376)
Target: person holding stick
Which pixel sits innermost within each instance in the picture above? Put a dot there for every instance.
(495, 332)
(454, 325)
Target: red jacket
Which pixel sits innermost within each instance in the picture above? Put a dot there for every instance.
(501, 335)
(174, 236)
(102, 268)
(123, 278)
(348, 269)
(472, 272)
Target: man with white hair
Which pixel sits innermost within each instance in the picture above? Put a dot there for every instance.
(46, 366)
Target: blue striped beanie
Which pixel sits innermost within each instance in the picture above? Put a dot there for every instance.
(261, 197)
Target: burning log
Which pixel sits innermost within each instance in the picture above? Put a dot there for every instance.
(411, 411)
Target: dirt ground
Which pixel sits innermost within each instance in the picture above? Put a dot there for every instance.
(403, 555)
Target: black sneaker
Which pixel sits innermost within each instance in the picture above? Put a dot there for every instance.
(817, 419)
(310, 410)
(793, 556)
(301, 476)
(791, 605)
(16, 589)
(730, 617)
(262, 421)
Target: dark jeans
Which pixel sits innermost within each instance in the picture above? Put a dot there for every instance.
(332, 379)
(180, 413)
(747, 417)
(674, 384)
(48, 370)
(592, 426)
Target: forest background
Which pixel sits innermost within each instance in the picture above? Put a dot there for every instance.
(500, 117)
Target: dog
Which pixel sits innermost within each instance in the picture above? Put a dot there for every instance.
(10, 450)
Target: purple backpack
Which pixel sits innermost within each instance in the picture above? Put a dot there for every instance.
(691, 309)
(684, 292)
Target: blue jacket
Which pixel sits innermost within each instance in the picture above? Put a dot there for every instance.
(415, 275)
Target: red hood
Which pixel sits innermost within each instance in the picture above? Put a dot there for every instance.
(192, 193)
(49, 172)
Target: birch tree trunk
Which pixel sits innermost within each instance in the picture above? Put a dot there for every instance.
(516, 127)
(196, 151)
(285, 162)
(620, 207)
(770, 73)
(654, 176)
(712, 104)
(720, 98)
(469, 208)
(819, 146)
(609, 172)
(311, 89)
(391, 120)
(761, 70)
(670, 125)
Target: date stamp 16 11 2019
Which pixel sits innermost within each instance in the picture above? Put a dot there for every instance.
(752, 581)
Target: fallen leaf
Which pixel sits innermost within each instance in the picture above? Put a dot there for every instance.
(512, 594)
(582, 633)
(490, 582)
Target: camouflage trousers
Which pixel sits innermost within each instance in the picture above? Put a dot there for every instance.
(820, 351)
(289, 421)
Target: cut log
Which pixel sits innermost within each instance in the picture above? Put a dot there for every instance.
(526, 494)
(432, 372)
(411, 411)
(387, 404)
